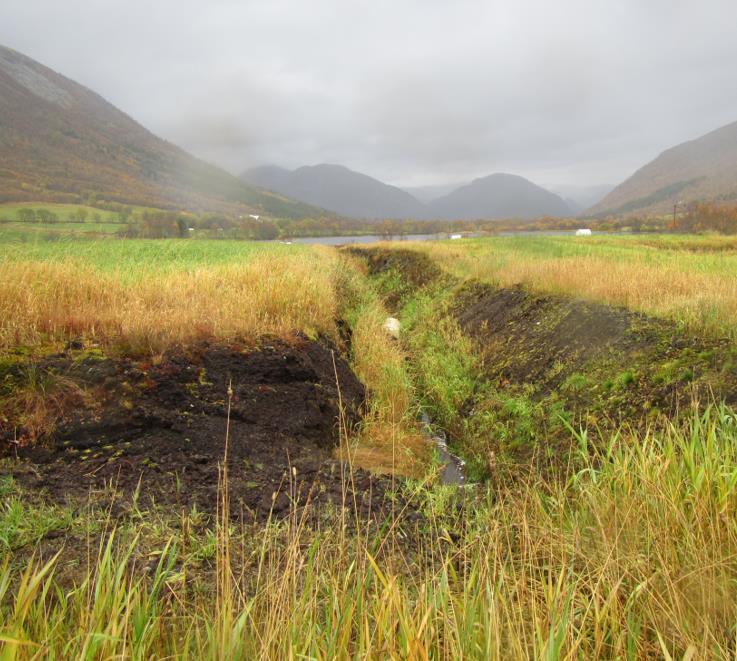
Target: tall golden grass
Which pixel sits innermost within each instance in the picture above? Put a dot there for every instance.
(633, 557)
(389, 440)
(695, 298)
(701, 299)
(44, 302)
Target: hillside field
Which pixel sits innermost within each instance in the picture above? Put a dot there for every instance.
(214, 449)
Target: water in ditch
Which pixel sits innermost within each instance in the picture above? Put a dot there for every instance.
(452, 467)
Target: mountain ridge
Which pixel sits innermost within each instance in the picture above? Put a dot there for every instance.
(499, 196)
(704, 168)
(357, 195)
(63, 142)
(339, 189)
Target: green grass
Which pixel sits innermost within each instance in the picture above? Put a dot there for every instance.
(67, 225)
(145, 255)
(488, 424)
(29, 229)
(64, 212)
(706, 254)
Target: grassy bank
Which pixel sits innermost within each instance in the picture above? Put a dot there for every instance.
(488, 424)
(690, 279)
(509, 372)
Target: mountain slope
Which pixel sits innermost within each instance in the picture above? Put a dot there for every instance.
(499, 196)
(701, 169)
(59, 141)
(271, 177)
(339, 189)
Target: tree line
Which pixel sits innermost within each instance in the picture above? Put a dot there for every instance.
(707, 217)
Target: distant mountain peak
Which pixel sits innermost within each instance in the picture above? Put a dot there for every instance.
(497, 196)
(338, 188)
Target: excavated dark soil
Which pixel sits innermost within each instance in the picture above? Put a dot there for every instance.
(159, 430)
(523, 336)
(633, 363)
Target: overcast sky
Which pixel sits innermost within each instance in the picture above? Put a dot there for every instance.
(413, 92)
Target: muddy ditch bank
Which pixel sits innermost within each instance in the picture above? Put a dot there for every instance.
(542, 362)
(605, 363)
(158, 429)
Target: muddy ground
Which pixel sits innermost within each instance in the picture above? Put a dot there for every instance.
(156, 431)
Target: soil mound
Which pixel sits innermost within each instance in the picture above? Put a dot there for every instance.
(524, 336)
(591, 355)
(160, 428)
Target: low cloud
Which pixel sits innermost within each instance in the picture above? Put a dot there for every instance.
(414, 92)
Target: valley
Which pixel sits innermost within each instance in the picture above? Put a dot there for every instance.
(336, 331)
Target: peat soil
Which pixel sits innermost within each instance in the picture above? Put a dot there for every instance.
(613, 363)
(157, 430)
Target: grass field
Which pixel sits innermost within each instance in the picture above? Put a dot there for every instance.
(130, 259)
(147, 295)
(30, 233)
(67, 224)
(64, 212)
(619, 543)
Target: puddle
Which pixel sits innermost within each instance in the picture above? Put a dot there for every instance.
(452, 467)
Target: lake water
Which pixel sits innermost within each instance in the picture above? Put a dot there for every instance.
(369, 238)
(373, 238)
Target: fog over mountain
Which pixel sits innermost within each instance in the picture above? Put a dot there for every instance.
(338, 189)
(429, 193)
(414, 93)
(62, 142)
(356, 195)
(582, 197)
